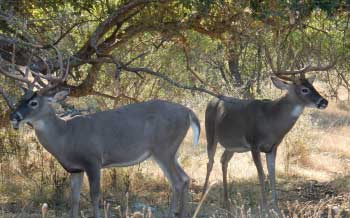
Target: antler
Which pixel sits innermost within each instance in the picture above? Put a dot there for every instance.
(39, 81)
(54, 81)
(289, 75)
(308, 68)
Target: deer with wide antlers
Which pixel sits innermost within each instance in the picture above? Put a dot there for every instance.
(259, 125)
(120, 137)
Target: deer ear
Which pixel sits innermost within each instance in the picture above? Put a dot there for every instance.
(60, 96)
(280, 83)
(311, 79)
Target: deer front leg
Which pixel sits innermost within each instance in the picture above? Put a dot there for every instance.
(271, 163)
(94, 182)
(258, 164)
(76, 180)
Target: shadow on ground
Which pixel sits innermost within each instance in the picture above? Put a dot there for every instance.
(297, 198)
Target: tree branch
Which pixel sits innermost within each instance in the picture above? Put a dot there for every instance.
(169, 80)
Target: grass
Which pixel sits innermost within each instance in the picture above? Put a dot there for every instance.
(312, 178)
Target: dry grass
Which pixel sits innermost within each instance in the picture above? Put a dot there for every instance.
(312, 169)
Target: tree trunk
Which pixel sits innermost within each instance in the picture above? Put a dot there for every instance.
(233, 64)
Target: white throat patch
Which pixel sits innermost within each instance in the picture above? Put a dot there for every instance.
(39, 125)
(297, 110)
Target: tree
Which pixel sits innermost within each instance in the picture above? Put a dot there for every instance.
(93, 37)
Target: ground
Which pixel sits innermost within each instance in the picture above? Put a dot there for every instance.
(312, 176)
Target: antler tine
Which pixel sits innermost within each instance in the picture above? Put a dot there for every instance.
(309, 68)
(278, 72)
(283, 77)
(40, 81)
(296, 72)
(7, 98)
(289, 75)
(13, 76)
(54, 81)
(60, 59)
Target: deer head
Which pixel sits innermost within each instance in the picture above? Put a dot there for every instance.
(302, 91)
(34, 104)
(299, 87)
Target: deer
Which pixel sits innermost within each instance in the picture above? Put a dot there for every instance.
(119, 137)
(259, 126)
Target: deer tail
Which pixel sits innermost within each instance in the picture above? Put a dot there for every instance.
(196, 127)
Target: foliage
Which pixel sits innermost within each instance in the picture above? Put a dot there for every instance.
(125, 51)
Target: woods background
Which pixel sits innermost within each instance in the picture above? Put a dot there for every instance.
(119, 52)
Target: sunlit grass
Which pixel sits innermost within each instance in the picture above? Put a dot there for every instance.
(315, 150)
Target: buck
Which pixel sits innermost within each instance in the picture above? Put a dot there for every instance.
(115, 138)
(257, 126)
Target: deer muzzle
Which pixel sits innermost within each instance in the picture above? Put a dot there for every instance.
(15, 119)
(322, 103)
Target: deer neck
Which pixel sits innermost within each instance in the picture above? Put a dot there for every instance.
(283, 114)
(289, 108)
(49, 129)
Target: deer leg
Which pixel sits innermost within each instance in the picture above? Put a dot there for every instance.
(184, 190)
(257, 160)
(211, 148)
(225, 158)
(271, 163)
(76, 180)
(94, 182)
(168, 166)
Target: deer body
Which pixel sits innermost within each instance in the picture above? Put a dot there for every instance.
(120, 137)
(243, 124)
(256, 126)
(131, 134)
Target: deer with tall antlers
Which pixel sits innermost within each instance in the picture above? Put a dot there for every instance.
(120, 137)
(259, 125)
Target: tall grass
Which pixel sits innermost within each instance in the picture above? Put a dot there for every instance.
(316, 148)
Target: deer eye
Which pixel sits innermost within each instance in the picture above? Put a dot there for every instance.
(305, 90)
(33, 103)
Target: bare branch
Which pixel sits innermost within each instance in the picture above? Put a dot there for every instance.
(114, 97)
(137, 57)
(113, 19)
(67, 32)
(169, 80)
(14, 41)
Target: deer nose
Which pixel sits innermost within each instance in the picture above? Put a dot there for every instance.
(15, 119)
(322, 103)
(16, 116)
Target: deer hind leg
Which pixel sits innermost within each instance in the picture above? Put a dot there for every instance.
(257, 160)
(225, 158)
(210, 126)
(76, 180)
(184, 190)
(211, 149)
(169, 168)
